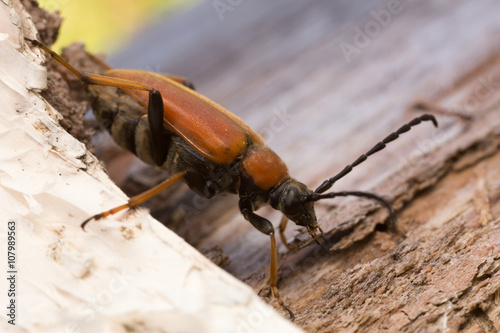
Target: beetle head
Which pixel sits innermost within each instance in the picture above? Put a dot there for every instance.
(296, 202)
(290, 198)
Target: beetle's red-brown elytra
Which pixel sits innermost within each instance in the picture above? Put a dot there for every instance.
(265, 167)
(210, 129)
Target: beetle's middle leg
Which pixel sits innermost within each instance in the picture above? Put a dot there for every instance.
(138, 199)
(282, 227)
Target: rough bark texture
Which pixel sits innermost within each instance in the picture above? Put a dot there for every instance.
(439, 272)
(322, 93)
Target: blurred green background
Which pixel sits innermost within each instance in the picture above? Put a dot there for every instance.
(105, 25)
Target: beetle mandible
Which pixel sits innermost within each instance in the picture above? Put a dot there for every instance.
(177, 129)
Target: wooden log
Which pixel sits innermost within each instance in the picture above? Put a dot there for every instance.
(346, 74)
(324, 81)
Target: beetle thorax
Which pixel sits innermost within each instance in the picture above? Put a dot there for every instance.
(264, 167)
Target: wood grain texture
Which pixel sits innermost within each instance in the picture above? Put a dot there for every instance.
(279, 66)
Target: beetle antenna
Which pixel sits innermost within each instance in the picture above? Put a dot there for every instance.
(379, 146)
(392, 216)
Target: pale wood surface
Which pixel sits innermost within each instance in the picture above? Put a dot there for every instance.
(441, 270)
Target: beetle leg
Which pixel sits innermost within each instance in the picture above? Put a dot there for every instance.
(155, 119)
(138, 199)
(155, 109)
(283, 223)
(273, 278)
(155, 105)
(257, 221)
(182, 80)
(267, 228)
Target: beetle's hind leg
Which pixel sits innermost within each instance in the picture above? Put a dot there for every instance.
(138, 199)
(155, 104)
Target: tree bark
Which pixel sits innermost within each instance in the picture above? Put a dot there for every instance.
(324, 81)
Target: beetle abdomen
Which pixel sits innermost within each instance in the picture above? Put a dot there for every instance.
(124, 118)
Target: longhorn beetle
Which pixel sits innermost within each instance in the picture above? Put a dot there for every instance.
(210, 149)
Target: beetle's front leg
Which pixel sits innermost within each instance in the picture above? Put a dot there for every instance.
(264, 226)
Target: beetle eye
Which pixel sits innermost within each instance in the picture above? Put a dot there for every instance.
(292, 200)
(211, 189)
